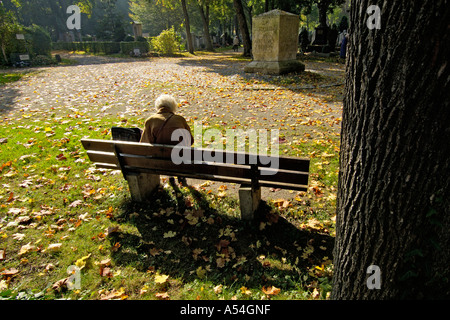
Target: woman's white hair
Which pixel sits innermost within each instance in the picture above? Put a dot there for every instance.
(166, 101)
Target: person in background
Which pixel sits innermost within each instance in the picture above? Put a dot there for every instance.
(236, 43)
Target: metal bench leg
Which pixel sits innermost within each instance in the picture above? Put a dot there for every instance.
(249, 199)
(142, 185)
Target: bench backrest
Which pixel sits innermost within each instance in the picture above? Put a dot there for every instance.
(237, 167)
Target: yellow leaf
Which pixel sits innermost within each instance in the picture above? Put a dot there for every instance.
(169, 234)
(81, 263)
(161, 278)
(245, 291)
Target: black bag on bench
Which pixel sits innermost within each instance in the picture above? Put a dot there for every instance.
(126, 134)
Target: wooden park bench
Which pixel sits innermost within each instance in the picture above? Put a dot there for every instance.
(142, 163)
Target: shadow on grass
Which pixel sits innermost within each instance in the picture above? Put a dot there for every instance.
(182, 234)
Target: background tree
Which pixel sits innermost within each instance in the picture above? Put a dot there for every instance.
(203, 7)
(156, 17)
(7, 30)
(50, 14)
(111, 25)
(188, 27)
(243, 26)
(394, 183)
(324, 6)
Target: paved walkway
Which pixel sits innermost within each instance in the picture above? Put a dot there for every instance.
(212, 88)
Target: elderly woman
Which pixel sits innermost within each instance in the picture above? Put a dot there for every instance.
(160, 126)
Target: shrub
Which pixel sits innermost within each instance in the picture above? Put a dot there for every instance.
(41, 60)
(40, 40)
(167, 43)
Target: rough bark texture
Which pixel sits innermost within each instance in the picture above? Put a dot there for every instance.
(394, 183)
(243, 27)
(188, 27)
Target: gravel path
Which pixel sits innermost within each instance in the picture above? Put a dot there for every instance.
(211, 87)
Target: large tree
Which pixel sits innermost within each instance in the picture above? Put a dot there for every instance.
(243, 26)
(394, 182)
(187, 25)
(203, 8)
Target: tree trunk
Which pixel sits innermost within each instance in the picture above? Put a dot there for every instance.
(188, 27)
(205, 20)
(322, 6)
(4, 53)
(394, 180)
(244, 28)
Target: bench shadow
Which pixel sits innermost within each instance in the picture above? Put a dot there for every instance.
(182, 235)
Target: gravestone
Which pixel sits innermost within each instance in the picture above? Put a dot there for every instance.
(137, 30)
(321, 36)
(275, 43)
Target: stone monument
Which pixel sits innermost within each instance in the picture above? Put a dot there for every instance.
(137, 30)
(275, 43)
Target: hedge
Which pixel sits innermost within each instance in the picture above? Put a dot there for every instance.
(36, 42)
(106, 47)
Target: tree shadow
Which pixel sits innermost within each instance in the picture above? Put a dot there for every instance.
(182, 234)
(7, 97)
(232, 65)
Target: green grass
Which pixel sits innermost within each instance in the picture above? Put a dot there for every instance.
(10, 77)
(51, 194)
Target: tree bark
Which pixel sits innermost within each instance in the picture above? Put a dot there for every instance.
(205, 20)
(188, 27)
(243, 27)
(322, 6)
(394, 180)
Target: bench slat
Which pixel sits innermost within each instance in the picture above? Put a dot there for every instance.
(103, 157)
(165, 151)
(235, 171)
(202, 176)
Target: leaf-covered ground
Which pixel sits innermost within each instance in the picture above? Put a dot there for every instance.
(57, 210)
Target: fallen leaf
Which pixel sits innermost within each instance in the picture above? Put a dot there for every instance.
(53, 247)
(60, 285)
(114, 295)
(155, 251)
(9, 272)
(106, 272)
(196, 252)
(161, 278)
(26, 248)
(201, 273)
(271, 290)
(218, 289)
(18, 236)
(169, 234)
(81, 263)
(220, 262)
(162, 296)
(245, 290)
(76, 203)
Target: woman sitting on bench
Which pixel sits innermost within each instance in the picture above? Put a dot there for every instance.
(159, 127)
